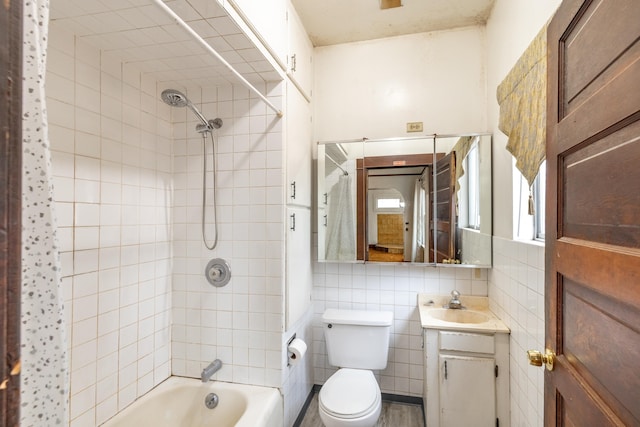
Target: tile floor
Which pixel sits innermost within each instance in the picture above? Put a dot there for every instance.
(394, 414)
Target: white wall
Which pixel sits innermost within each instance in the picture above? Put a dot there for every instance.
(516, 283)
(374, 88)
(111, 157)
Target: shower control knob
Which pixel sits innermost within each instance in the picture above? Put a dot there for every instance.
(218, 272)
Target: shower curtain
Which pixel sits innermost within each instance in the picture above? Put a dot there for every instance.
(44, 379)
(341, 228)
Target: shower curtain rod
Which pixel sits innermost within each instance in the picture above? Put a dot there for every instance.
(213, 52)
(336, 163)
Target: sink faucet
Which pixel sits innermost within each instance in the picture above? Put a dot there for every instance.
(455, 303)
(208, 372)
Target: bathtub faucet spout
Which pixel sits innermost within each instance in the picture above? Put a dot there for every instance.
(208, 372)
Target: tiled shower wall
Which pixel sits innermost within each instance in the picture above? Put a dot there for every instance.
(516, 291)
(111, 155)
(241, 323)
(393, 288)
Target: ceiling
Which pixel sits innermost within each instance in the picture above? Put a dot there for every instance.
(331, 22)
(144, 36)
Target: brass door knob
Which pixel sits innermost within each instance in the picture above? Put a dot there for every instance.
(537, 359)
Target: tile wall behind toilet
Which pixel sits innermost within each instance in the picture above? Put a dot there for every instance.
(111, 156)
(394, 288)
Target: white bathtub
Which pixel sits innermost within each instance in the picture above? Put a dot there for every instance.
(180, 402)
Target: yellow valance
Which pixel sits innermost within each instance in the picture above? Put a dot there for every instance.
(522, 98)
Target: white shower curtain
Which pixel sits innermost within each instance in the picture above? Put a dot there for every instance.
(341, 230)
(417, 238)
(44, 376)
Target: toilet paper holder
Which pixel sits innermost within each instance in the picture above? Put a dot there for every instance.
(292, 357)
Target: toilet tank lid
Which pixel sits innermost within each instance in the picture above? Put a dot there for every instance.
(358, 317)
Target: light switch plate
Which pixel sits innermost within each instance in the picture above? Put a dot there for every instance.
(414, 126)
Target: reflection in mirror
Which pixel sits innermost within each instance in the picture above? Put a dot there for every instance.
(463, 191)
(337, 203)
(389, 201)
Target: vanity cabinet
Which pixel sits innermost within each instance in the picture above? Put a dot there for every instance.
(300, 54)
(298, 123)
(466, 378)
(298, 264)
(267, 20)
(298, 200)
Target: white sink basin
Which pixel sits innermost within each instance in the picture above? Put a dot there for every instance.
(458, 316)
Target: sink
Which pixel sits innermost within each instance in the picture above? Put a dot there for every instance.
(458, 316)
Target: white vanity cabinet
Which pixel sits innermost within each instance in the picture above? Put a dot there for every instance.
(466, 378)
(298, 123)
(298, 264)
(300, 54)
(267, 20)
(298, 200)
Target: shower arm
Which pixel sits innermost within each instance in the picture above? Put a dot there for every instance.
(215, 53)
(199, 114)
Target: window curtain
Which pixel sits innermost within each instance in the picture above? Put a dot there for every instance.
(523, 115)
(462, 148)
(44, 376)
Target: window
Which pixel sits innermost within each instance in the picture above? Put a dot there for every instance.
(384, 203)
(539, 188)
(530, 227)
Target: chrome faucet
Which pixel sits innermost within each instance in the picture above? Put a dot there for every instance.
(455, 303)
(208, 372)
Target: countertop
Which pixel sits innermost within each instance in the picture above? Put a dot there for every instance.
(479, 304)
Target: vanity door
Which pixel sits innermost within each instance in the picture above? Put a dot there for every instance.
(467, 391)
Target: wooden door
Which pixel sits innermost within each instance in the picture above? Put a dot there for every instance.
(362, 189)
(445, 220)
(593, 214)
(10, 213)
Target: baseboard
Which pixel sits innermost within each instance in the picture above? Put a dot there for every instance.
(304, 408)
(399, 398)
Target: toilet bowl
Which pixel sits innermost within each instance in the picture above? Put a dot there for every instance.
(350, 398)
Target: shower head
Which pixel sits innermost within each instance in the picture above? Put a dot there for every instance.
(175, 98)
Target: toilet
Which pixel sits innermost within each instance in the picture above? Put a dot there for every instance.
(357, 343)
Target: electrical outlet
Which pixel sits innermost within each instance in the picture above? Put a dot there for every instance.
(414, 127)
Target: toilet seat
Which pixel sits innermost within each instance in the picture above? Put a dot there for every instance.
(350, 393)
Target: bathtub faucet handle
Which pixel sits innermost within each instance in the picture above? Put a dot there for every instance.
(211, 369)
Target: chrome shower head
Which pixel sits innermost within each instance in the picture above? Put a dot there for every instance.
(175, 98)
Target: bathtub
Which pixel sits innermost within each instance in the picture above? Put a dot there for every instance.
(180, 402)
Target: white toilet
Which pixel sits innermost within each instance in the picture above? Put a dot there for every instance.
(357, 341)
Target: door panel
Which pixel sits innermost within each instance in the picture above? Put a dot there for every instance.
(445, 221)
(592, 278)
(10, 209)
(596, 171)
(467, 391)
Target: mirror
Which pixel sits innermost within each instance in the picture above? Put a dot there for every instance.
(376, 200)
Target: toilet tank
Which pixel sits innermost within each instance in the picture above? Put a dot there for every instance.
(357, 339)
